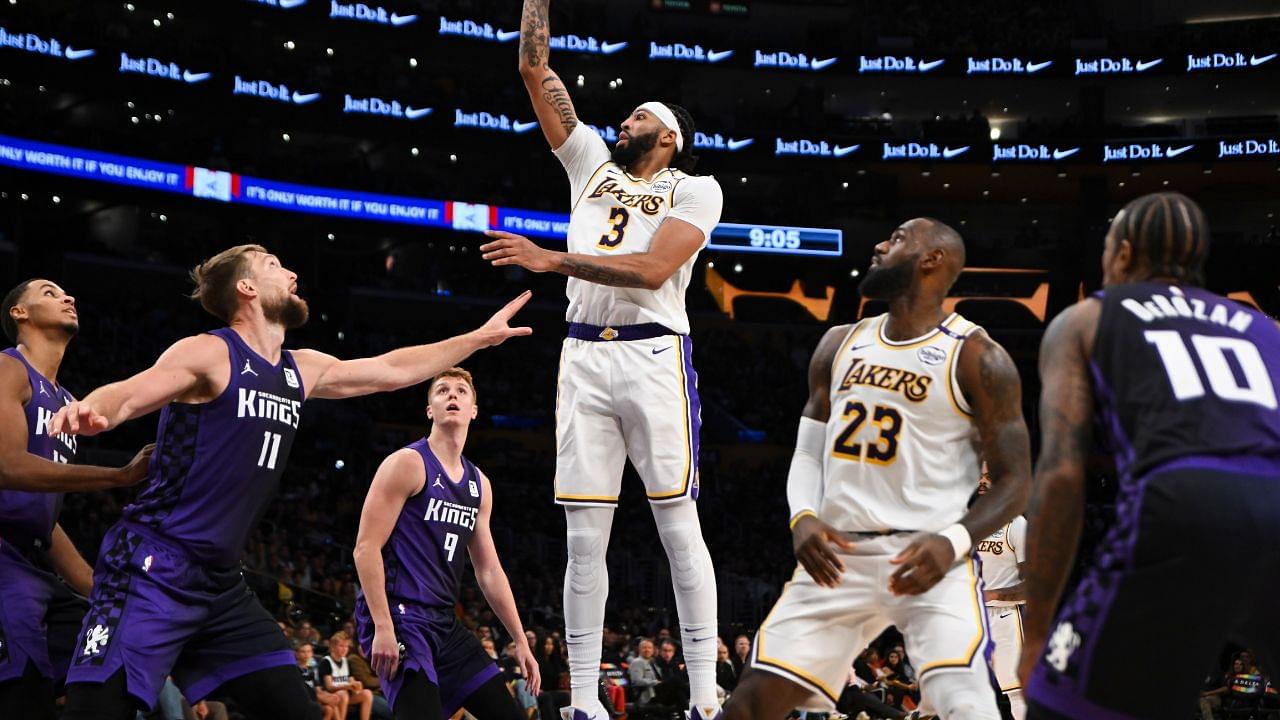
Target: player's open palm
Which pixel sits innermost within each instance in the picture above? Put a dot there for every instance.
(528, 664)
(512, 249)
(385, 657)
(77, 418)
(815, 544)
(921, 564)
(498, 329)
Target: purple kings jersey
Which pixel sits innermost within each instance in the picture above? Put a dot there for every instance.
(29, 516)
(1179, 371)
(217, 465)
(427, 550)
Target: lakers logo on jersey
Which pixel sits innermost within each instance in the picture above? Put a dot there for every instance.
(912, 386)
(995, 547)
(646, 203)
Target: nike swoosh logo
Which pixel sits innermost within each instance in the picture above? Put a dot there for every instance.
(950, 153)
(301, 99)
(415, 113)
(402, 19)
(655, 352)
(508, 35)
(739, 144)
(521, 127)
(1255, 60)
(859, 347)
(716, 56)
(842, 151)
(195, 77)
(1144, 64)
(1059, 154)
(78, 54)
(1175, 152)
(291, 4)
(929, 65)
(1037, 67)
(817, 64)
(609, 48)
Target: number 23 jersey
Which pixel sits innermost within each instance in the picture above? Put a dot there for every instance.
(900, 452)
(614, 213)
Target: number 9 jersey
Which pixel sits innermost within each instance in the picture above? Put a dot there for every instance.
(615, 213)
(900, 451)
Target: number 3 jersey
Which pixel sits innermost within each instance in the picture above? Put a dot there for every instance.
(900, 451)
(614, 213)
(1179, 371)
(217, 464)
(427, 551)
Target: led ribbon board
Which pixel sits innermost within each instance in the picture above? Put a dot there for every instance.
(235, 188)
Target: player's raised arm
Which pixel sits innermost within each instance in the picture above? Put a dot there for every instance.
(813, 540)
(21, 470)
(398, 478)
(325, 376)
(547, 92)
(493, 582)
(1056, 512)
(990, 381)
(187, 368)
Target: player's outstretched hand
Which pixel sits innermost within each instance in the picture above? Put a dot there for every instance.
(511, 249)
(498, 329)
(136, 470)
(923, 563)
(532, 674)
(77, 418)
(385, 657)
(815, 544)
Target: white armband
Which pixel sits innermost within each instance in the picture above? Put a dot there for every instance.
(804, 481)
(960, 540)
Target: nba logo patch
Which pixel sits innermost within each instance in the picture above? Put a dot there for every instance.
(930, 355)
(290, 378)
(475, 490)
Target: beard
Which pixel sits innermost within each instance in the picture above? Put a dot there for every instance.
(887, 283)
(636, 147)
(291, 312)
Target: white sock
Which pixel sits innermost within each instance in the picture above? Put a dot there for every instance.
(586, 588)
(1017, 704)
(693, 578)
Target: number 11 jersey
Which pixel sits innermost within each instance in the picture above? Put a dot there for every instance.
(1178, 371)
(615, 213)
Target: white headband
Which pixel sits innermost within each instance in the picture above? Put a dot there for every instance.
(668, 118)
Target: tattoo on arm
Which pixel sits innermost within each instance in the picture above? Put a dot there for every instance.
(593, 272)
(992, 383)
(555, 95)
(533, 33)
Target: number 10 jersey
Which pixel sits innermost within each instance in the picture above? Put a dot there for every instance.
(901, 443)
(614, 213)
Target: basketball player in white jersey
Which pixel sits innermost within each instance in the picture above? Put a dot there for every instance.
(882, 472)
(627, 387)
(1003, 556)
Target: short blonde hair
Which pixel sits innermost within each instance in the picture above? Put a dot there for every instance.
(216, 280)
(454, 372)
(339, 637)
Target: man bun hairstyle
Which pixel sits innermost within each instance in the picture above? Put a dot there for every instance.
(684, 161)
(216, 279)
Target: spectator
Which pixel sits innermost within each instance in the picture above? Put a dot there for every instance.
(332, 705)
(643, 674)
(726, 675)
(673, 690)
(1215, 687)
(335, 673)
(900, 680)
(856, 699)
(513, 675)
(741, 654)
(486, 644)
(360, 670)
(555, 677)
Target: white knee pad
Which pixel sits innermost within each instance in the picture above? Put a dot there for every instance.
(685, 551)
(961, 695)
(586, 561)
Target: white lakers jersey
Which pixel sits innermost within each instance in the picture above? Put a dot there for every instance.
(1000, 555)
(614, 213)
(900, 439)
